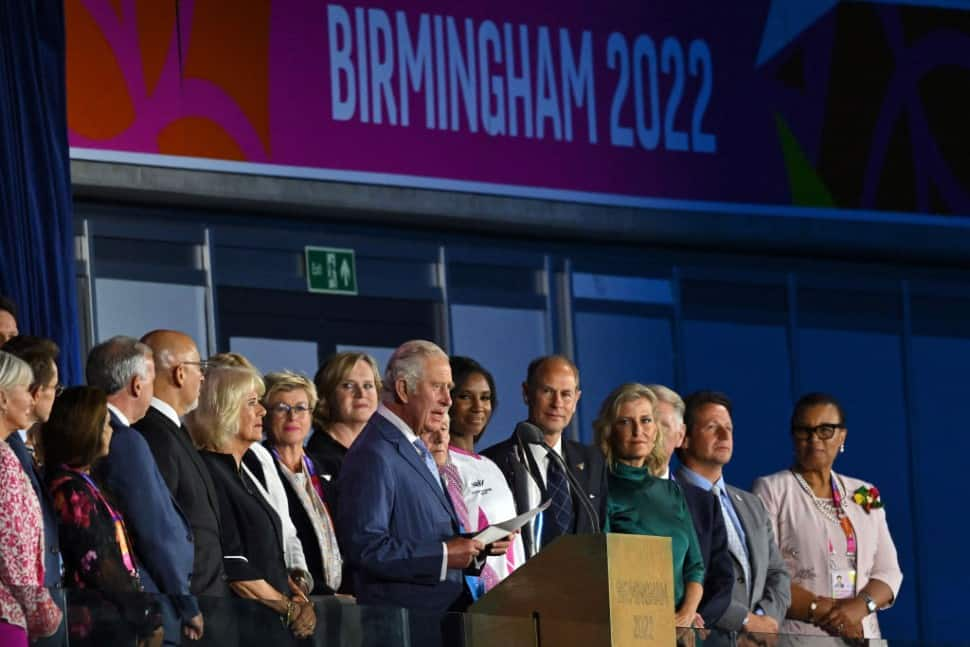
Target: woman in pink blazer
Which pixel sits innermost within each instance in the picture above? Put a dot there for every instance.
(831, 530)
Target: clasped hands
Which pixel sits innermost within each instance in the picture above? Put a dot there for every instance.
(302, 618)
(462, 551)
(841, 617)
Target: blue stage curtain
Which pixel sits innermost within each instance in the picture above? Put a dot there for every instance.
(36, 239)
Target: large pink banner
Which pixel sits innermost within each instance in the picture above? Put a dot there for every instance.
(613, 101)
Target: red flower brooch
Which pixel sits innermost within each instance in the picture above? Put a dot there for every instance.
(867, 497)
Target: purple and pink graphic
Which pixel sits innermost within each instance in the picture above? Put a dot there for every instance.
(615, 102)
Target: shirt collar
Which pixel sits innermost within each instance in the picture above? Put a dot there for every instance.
(694, 478)
(167, 410)
(395, 420)
(23, 435)
(121, 417)
(666, 474)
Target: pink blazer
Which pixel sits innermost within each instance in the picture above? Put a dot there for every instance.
(800, 531)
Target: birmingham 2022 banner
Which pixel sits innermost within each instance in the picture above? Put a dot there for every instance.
(760, 103)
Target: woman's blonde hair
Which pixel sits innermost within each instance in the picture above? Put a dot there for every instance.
(286, 381)
(329, 377)
(603, 425)
(14, 371)
(216, 420)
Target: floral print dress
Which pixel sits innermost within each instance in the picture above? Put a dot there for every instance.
(99, 563)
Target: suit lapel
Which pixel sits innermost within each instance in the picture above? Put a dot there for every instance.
(750, 526)
(407, 451)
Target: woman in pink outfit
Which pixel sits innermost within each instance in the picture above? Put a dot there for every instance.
(26, 608)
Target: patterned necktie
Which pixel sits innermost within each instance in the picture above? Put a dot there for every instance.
(428, 460)
(735, 545)
(558, 519)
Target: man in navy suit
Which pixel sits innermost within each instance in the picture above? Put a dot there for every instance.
(396, 525)
(704, 511)
(551, 392)
(162, 539)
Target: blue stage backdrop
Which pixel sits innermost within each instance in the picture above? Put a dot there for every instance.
(36, 250)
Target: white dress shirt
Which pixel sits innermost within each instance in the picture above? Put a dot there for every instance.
(167, 410)
(541, 456)
(122, 417)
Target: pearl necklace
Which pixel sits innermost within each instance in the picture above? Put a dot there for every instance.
(825, 506)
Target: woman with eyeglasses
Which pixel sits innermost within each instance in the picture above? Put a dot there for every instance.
(347, 385)
(289, 400)
(227, 422)
(831, 530)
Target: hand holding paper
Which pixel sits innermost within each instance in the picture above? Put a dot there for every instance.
(499, 531)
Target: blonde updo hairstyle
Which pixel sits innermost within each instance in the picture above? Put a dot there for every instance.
(215, 421)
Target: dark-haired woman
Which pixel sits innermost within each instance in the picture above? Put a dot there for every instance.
(484, 489)
(831, 530)
(95, 545)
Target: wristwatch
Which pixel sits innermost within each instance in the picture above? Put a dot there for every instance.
(870, 603)
(812, 608)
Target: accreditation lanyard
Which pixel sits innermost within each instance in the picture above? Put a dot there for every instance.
(845, 523)
(121, 535)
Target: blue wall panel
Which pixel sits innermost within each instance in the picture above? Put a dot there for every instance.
(612, 349)
(749, 362)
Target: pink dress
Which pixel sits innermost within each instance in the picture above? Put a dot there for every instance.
(24, 602)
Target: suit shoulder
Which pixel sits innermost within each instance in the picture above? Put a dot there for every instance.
(592, 453)
(753, 501)
(500, 450)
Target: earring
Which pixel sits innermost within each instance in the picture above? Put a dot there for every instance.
(842, 449)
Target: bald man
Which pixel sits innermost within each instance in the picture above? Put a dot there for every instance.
(179, 372)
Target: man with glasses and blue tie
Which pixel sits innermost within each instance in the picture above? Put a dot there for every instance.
(396, 524)
(762, 591)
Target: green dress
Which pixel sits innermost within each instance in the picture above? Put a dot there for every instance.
(641, 504)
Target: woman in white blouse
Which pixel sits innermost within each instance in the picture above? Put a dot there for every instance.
(485, 491)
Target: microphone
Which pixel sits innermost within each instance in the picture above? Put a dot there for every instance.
(527, 432)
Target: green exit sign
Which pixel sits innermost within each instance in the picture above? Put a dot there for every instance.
(331, 270)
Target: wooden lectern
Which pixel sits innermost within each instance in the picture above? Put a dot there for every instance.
(588, 590)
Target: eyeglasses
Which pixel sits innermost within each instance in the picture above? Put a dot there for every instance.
(282, 409)
(58, 389)
(824, 431)
(203, 364)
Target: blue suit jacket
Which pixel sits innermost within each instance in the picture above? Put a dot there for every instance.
(161, 536)
(392, 517)
(712, 535)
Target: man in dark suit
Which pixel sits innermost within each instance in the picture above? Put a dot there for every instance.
(41, 354)
(551, 392)
(762, 588)
(179, 372)
(162, 539)
(704, 511)
(395, 523)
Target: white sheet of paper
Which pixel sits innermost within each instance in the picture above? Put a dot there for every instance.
(498, 531)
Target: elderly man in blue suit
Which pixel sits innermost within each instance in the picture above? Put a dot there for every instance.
(396, 524)
(124, 368)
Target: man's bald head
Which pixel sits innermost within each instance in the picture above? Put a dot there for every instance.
(179, 370)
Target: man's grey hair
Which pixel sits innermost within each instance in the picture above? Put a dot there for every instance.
(407, 363)
(112, 364)
(671, 397)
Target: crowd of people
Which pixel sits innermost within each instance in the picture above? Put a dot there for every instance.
(170, 486)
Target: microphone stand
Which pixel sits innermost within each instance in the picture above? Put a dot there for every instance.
(534, 435)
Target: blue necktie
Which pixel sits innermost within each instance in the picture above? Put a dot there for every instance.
(428, 461)
(558, 519)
